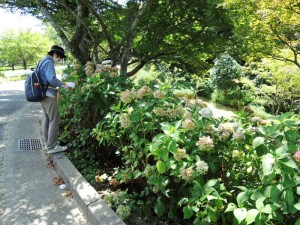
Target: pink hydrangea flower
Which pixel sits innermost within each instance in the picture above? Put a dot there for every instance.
(297, 155)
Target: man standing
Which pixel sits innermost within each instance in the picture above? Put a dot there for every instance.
(51, 118)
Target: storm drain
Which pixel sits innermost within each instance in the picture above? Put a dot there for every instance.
(29, 144)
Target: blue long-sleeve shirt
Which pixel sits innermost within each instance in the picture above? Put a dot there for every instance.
(48, 76)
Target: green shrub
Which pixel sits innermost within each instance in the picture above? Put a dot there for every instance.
(235, 98)
(177, 164)
(224, 72)
(204, 86)
(187, 165)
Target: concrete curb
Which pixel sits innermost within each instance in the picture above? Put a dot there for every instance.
(93, 208)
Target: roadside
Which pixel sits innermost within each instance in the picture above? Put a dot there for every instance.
(17, 75)
(27, 190)
(11, 73)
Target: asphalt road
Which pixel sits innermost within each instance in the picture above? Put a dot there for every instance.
(27, 193)
(11, 100)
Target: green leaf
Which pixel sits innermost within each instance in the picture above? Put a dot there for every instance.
(291, 135)
(159, 208)
(156, 145)
(281, 150)
(256, 195)
(241, 198)
(240, 214)
(258, 141)
(298, 222)
(167, 128)
(148, 126)
(251, 215)
(172, 147)
(268, 164)
(275, 193)
(164, 153)
(187, 212)
(137, 174)
(181, 201)
(171, 213)
(269, 208)
(211, 183)
(288, 196)
(211, 214)
(291, 164)
(297, 205)
(161, 167)
(230, 207)
(200, 222)
(211, 197)
(135, 117)
(298, 190)
(259, 203)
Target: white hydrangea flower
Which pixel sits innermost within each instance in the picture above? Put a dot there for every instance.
(202, 167)
(205, 143)
(206, 112)
(159, 94)
(180, 154)
(187, 173)
(188, 124)
(123, 211)
(125, 120)
(238, 135)
(144, 91)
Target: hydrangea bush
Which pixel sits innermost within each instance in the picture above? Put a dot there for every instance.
(187, 167)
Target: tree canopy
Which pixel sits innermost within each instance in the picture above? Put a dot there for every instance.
(189, 34)
(265, 28)
(23, 48)
(186, 33)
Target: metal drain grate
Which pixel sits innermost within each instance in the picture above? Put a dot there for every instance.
(29, 144)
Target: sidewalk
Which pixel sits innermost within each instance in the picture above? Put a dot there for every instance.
(28, 195)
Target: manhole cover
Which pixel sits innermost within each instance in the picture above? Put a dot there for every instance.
(29, 144)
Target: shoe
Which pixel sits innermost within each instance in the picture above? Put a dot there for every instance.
(56, 149)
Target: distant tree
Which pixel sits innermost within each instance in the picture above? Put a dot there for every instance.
(224, 71)
(23, 48)
(263, 28)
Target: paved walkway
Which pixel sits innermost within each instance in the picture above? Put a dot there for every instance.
(218, 110)
(27, 191)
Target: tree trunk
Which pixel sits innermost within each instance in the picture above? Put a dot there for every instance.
(24, 65)
(114, 56)
(126, 56)
(77, 45)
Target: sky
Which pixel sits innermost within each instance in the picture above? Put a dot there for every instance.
(16, 22)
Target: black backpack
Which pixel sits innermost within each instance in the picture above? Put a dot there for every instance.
(35, 91)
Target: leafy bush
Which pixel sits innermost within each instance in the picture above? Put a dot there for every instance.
(224, 72)
(235, 98)
(186, 165)
(179, 165)
(82, 109)
(204, 86)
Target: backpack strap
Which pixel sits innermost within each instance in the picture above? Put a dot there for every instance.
(40, 64)
(37, 72)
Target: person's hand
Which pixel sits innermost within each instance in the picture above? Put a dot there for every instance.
(70, 84)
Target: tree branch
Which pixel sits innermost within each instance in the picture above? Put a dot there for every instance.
(135, 23)
(101, 22)
(43, 7)
(295, 52)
